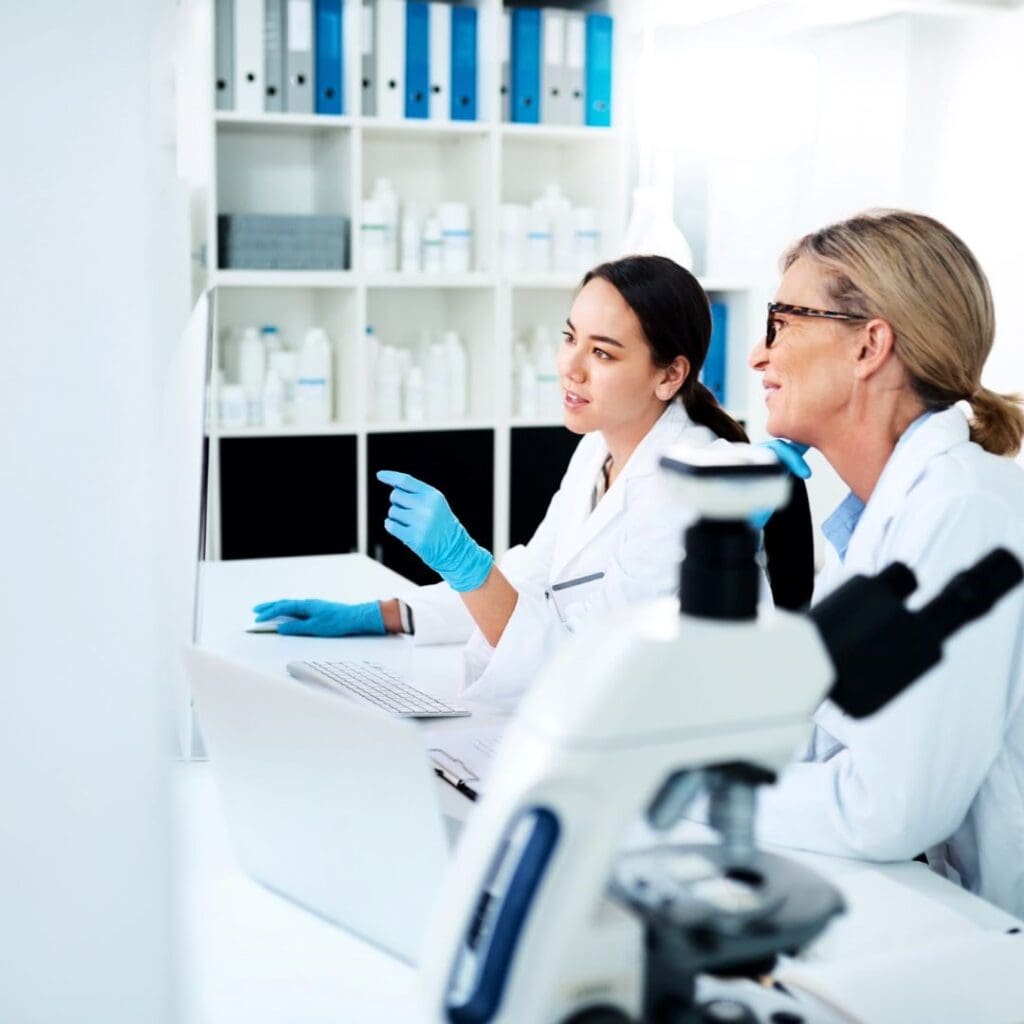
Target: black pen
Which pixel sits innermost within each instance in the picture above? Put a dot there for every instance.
(458, 784)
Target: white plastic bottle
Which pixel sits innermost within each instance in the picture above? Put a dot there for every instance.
(559, 213)
(438, 384)
(456, 238)
(412, 235)
(373, 235)
(586, 239)
(544, 358)
(527, 381)
(232, 406)
(414, 396)
(513, 238)
(387, 386)
(285, 363)
(252, 369)
(313, 385)
(456, 375)
(273, 399)
(384, 193)
(213, 396)
(538, 240)
(432, 244)
(371, 350)
(271, 340)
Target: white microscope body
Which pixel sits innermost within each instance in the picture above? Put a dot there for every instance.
(634, 698)
(615, 714)
(525, 932)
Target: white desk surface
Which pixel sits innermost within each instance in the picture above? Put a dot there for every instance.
(254, 958)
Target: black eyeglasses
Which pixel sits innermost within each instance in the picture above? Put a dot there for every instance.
(784, 307)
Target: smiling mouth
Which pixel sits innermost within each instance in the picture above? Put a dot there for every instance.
(769, 390)
(574, 401)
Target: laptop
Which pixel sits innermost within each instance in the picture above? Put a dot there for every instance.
(329, 804)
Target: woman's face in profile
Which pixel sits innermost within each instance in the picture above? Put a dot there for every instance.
(807, 374)
(608, 376)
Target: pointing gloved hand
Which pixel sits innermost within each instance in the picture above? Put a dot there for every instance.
(421, 519)
(791, 455)
(324, 618)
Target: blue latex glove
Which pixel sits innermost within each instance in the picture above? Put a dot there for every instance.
(324, 618)
(422, 520)
(790, 454)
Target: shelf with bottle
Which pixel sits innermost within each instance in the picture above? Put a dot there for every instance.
(279, 359)
(536, 398)
(561, 209)
(428, 205)
(430, 359)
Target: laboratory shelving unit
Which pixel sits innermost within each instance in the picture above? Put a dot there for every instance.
(302, 490)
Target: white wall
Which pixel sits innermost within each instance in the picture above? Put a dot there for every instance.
(86, 931)
(916, 111)
(968, 167)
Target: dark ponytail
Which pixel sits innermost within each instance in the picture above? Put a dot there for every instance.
(675, 316)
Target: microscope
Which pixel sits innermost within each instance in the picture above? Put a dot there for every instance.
(657, 712)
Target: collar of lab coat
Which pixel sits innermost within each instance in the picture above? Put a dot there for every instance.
(936, 436)
(673, 425)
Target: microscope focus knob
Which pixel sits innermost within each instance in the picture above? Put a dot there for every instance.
(726, 1011)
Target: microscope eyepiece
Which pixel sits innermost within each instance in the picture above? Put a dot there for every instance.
(898, 580)
(971, 593)
(725, 487)
(879, 647)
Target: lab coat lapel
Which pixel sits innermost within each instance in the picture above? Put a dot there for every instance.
(583, 525)
(576, 511)
(939, 433)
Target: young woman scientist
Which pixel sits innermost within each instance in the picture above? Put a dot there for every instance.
(633, 346)
(874, 349)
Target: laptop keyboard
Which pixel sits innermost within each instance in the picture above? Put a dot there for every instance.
(370, 683)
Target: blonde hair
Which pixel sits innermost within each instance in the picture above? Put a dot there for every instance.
(915, 273)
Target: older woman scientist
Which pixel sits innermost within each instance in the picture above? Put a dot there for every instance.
(873, 353)
(633, 347)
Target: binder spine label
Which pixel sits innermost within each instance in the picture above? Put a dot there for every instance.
(525, 71)
(224, 55)
(274, 48)
(464, 64)
(417, 50)
(328, 76)
(599, 70)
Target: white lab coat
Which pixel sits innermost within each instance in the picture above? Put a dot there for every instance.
(940, 769)
(633, 537)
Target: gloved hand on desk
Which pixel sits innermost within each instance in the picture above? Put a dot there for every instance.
(421, 518)
(791, 455)
(324, 618)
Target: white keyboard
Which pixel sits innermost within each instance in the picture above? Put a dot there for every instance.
(370, 683)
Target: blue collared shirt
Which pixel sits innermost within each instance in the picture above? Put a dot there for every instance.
(838, 528)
